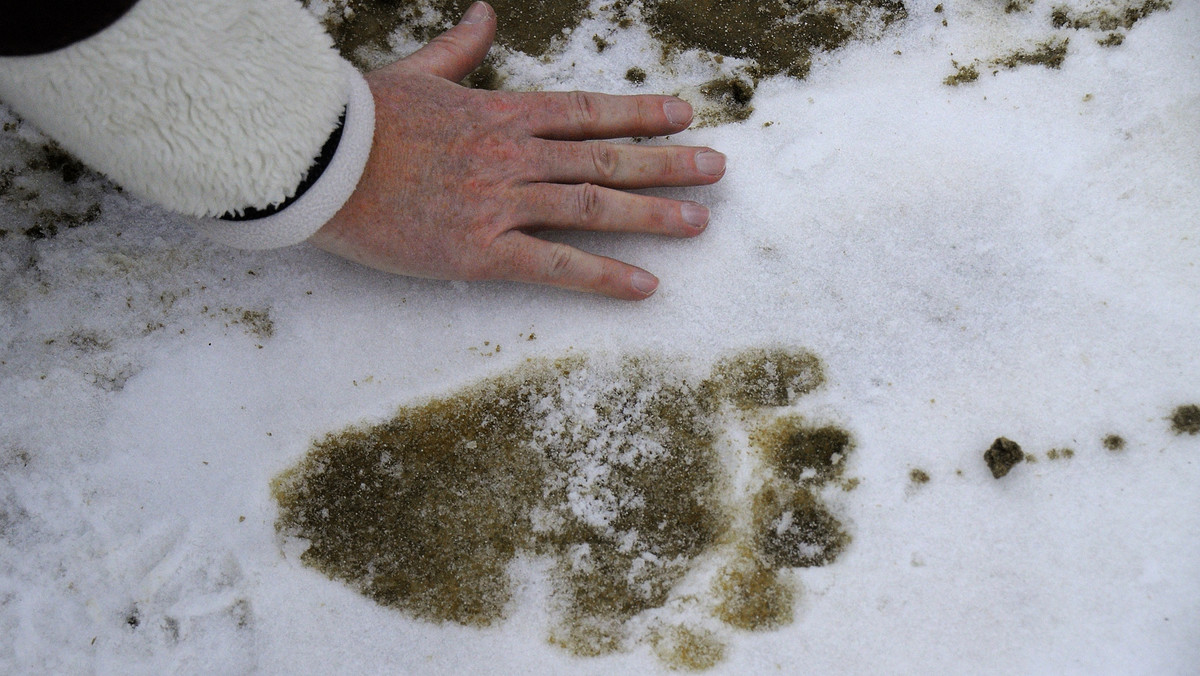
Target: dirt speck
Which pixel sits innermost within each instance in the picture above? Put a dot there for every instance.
(257, 322)
(918, 476)
(1186, 419)
(1060, 454)
(1113, 442)
(1003, 456)
(1050, 54)
(964, 74)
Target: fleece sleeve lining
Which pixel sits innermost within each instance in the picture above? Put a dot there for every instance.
(205, 107)
(320, 202)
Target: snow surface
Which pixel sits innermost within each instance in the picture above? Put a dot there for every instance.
(1015, 256)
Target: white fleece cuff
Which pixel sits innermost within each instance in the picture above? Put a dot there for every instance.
(203, 106)
(303, 217)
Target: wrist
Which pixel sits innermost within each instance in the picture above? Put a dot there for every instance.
(321, 201)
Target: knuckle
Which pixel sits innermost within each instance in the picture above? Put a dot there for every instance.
(587, 203)
(501, 108)
(671, 164)
(647, 113)
(449, 46)
(560, 262)
(495, 103)
(604, 159)
(584, 108)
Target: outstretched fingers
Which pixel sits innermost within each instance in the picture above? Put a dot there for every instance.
(460, 50)
(524, 258)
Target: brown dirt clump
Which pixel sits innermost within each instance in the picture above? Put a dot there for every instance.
(964, 74)
(1186, 419)
(1050, 54)
(1113, 442)
(1003, 456)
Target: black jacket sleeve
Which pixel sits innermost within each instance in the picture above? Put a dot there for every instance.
(29, 27)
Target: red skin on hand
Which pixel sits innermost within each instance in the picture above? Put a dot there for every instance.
(457, 177)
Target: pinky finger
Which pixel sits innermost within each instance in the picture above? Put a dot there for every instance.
(525, 258)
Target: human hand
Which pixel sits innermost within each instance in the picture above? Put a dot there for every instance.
(457, 178)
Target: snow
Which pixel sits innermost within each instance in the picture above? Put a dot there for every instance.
(1013, 257)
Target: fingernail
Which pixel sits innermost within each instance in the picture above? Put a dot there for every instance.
(695, 215)
(677, 111)
(710, 162)
(477, 13)
(644, 282)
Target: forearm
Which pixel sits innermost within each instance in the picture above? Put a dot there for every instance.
(208, 107)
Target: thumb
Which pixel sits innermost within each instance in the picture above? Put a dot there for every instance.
(455, 53)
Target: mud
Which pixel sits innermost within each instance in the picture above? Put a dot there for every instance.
(1116, 16)
(611, 472)
(683, 647)
(768, 376)
(765, 38)
(43, 188)
(364, 29)
(1003, 456)
(1108, 21)
(964, 74)
(776, 37)
(1050, 54)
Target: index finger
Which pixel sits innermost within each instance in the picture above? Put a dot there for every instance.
(579, 116)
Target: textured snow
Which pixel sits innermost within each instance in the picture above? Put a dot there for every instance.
(1013, 257)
